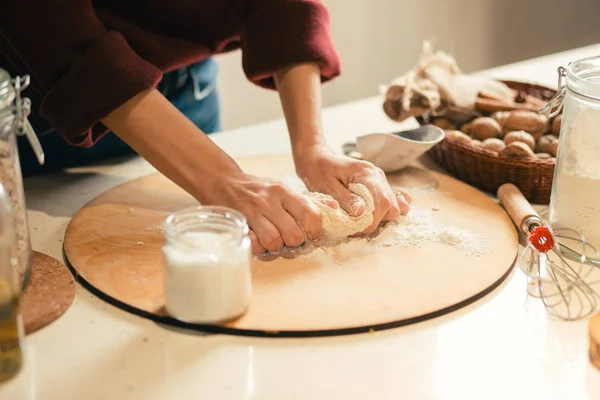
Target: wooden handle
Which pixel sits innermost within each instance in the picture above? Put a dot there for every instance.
(516, 205)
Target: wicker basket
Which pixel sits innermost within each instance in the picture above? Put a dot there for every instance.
(486, 171)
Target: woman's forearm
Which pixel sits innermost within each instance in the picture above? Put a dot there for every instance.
(169, 141)
(299, 88)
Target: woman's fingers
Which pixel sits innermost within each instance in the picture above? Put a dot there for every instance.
(305, 213)
(257, 248)
(385, 203)
(403, 200)
(291, 232)
(350, 202)
(267, 234)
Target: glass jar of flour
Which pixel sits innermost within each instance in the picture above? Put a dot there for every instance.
(207, 264)
(575, 199)
(13, 122)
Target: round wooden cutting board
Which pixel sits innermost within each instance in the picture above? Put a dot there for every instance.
(113, 245)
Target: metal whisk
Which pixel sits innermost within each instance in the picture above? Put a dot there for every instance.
(559, 264)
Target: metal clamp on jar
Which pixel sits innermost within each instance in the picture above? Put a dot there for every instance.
(14, 111)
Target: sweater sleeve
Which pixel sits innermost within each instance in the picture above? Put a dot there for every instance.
(83, 70)
(279, 33)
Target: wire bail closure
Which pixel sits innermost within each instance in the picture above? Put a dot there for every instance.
(22, 111)
(555, 104)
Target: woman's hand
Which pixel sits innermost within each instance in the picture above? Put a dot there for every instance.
(330, 173)
(277, 215)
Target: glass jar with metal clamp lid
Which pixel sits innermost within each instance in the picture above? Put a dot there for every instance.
(575, 198)
(11, 323)
(14, 111)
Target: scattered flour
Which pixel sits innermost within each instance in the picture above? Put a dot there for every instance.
(417, 229)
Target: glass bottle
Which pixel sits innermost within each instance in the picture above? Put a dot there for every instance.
(207, 264)
(13, 122)
(575, 198)
(11, 326)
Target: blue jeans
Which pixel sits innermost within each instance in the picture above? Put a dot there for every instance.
(192, 90)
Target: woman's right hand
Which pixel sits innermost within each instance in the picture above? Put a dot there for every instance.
(277, 215)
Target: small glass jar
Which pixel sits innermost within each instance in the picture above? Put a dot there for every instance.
(575, 198)
(207, 264)
(13, 122)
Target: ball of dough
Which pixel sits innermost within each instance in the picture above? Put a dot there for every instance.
(520, 136)
(337, 224)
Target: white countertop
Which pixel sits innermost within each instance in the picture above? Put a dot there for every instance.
(501, 347)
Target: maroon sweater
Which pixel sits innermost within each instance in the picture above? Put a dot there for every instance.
(87, 57)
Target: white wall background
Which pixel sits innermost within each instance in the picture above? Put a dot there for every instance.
(380, 39)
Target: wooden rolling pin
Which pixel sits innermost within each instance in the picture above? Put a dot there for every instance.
(518, 208)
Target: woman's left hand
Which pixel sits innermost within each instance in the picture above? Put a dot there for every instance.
(323, 171)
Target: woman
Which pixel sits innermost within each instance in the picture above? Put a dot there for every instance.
(97, 66)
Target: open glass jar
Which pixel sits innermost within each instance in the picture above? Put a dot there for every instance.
(207, 264)
(575, 199)
(13, 122)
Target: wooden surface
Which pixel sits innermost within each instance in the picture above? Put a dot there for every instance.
(49, 294)
(114, 244)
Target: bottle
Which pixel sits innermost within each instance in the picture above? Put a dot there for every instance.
(11, 325)
(14, 110)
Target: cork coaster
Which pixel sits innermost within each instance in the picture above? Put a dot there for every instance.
(49, 294)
